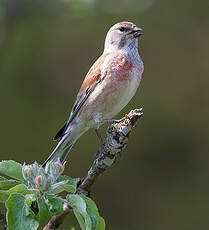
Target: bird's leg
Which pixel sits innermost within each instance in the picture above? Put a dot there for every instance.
(100, 137)
(101, 142)
(111, 120)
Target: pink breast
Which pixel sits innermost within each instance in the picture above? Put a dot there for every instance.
(123, 69)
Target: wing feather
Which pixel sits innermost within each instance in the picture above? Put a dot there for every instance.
(92, 79)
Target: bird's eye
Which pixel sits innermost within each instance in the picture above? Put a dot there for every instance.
(122, 28)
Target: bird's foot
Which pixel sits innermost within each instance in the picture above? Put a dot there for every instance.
(112, 120)
(101, 143)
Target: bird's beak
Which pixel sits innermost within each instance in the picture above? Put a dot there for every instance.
(137, 32)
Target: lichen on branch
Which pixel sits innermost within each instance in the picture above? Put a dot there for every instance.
(117, 138)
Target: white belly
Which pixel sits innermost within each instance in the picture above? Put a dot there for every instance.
(124, 95)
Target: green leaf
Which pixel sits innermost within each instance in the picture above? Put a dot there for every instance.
(97, 221)
(11, 169)
(79, 209)
(43, 209)
(55, 205)
(50, 206)
(101, 224)
(86, 212)
(6, 184)
(20, 188)
(29, 198)
(3, 196)
(70, 185)
(19, 214)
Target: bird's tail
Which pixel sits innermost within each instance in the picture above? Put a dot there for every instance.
(59, 152)
(64, 146)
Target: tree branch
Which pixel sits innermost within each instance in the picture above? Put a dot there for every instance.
(116, 141)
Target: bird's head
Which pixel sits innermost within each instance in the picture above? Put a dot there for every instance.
(122, 35)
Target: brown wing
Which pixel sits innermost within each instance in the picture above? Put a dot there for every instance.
(91, 80)
(93, 74)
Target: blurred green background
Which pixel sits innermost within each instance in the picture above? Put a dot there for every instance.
(161, 181)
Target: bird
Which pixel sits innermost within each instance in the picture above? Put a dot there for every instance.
(107, 88)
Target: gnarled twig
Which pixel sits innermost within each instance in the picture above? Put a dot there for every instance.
(116, 141)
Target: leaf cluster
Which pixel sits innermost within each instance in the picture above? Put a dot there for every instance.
(20, 194)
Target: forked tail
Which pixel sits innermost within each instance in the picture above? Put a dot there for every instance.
(61, 150)
(66, 143)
